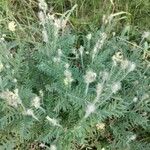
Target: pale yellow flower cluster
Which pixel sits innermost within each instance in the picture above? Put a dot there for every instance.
(12, 26)
(100, 126)
(124, 63)
(12, 98)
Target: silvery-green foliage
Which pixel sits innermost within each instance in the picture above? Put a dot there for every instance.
(63, 96)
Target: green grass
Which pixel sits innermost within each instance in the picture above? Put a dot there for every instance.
(88, 14)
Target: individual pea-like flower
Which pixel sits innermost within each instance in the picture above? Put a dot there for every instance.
(68, 80)
(60, 23)
(2, 39)
(90, 109)
(56, 60)
(132, 137)
(53, 147)
(89, 36)
(12, 26)
(51, 16)
(115, 87)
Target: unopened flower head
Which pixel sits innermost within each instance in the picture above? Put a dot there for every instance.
(105, 75)
(41, 93)
(57, 60)
(105, 19)
(131, 66)
(99, 44)
(1, 66)
(67, 73)
(99, 88)
(15, 80)
(125, 64)
(59, 53)
(68, 77)
(110, 18)
(90, 109)
(81, 49)
(42, 18)
(51, 16)
(114, 33)
(43, 5)
(3, 35)
(45, 36)
(90, 77)
(116, 87)
(87, 52)
(89, 36)
(68, 81)
(67, 65)
(145, 96)
(12, 26)
(144, 114)
(2, 39)
(135, 99)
